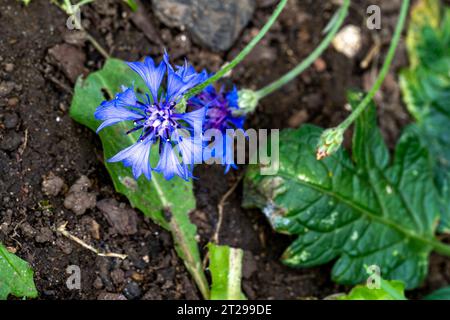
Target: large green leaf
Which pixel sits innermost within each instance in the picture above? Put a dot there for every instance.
(168, 203)
(426, 89)
(16, 276)
(226, 272)
(368, 210)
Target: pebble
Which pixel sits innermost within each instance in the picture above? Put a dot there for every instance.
(132, 291)
(98, 283)
(12, 102)
(11, 120)
(9, 67)
(52, 185)
(11, 141)
(320, 65)
(348, 41)
(78, 198)
(6, 87)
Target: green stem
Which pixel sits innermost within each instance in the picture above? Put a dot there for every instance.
(384, 70)
(343, 11)
(227, 68)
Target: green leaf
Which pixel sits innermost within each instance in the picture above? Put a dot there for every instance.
(226, 271)
(168, 203)
(426, 89)
(389, 290)
(440, 294)
(369, 210)
(16, 276)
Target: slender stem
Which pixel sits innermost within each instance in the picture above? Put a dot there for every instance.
(95, 44)
(384, 70)
(227, 68)
(343, 11)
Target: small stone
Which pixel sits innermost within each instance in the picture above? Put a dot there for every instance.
(117, 276)
(95, 230)
(11, 120)
(298, 118)
(9, 67)
(11, 141)
(132, 291)
(27, 230)
(98, 283)
(44, 235)
(6, 87)
(78, 198)
(348, 41)
(121, 218)
(137, 277)
(52, 185)
(111, 296)
(13, 102)
(320, 65)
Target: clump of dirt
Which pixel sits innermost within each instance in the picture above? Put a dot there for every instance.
(43, 152)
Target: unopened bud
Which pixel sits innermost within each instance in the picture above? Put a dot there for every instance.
(330, 142)
(247, 101)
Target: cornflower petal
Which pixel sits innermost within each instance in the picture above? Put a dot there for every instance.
(169, 165)
(151, 74)
(136, 156)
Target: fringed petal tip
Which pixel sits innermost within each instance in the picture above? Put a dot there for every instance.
(136, 156)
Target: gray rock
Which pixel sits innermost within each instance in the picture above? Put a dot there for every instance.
(132, 290)
(215, 24)
(120, 217)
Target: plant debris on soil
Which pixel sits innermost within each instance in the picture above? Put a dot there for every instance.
(51, 169)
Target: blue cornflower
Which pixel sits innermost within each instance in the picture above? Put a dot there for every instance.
(221, 106)
(155, 117)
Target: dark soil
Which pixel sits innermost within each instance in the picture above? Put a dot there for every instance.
(39, 140)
